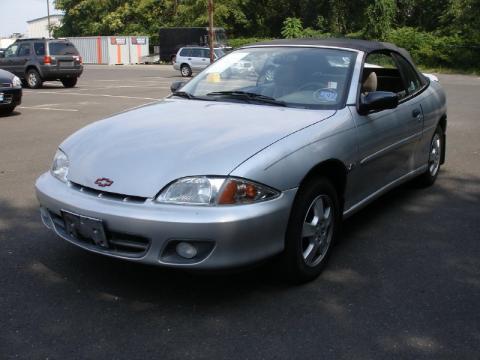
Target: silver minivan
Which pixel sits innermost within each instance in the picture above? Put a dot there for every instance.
(194, 59)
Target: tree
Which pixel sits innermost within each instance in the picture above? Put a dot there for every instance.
(380, 16)
(292, 28)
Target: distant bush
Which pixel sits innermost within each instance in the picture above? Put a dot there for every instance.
(432, 50)
(239, 42)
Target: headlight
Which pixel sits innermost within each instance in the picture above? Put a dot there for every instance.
(16, 82)
(205, 190)
(60, 166)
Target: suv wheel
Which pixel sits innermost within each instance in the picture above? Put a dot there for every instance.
(312, 230)
(34, 81)
(185, 70)
(69, 83)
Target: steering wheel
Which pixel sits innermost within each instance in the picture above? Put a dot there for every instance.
(311, 86)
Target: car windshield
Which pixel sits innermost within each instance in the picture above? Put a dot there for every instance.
(62, 48)
(316, 78)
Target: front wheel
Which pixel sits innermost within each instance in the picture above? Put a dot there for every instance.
(34, 81)
(7, 110)
(186, 71)
(312, 230)
(434, 159)
(69, 83)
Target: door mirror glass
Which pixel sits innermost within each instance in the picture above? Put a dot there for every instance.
(176, 85)
(377, 101)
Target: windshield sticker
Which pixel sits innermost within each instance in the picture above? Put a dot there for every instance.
(332, 85)
(325, 95)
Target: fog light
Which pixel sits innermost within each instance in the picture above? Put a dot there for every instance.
(186, 250)
(46, 219)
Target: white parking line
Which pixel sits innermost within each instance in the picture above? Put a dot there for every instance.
(45, 108)
(98, 95)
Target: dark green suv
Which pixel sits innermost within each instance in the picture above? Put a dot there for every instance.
(38, 60)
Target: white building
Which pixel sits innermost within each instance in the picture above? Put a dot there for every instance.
(38, 28)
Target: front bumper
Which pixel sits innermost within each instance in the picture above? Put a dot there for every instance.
(11, 97)
(231, 236)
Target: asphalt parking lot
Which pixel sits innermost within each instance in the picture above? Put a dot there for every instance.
(404, 282)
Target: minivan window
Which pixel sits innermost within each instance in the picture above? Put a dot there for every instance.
(39, 48)
(185, 52)
(62, 48)
(196, 53)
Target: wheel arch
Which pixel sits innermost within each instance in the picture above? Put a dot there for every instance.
(333, 169)
(30, 67)
(443, 125)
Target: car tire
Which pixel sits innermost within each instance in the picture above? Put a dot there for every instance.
(312, 230)
(186, 70)
(434, 159)
(7, 110)
(34, 80)
(69, 83)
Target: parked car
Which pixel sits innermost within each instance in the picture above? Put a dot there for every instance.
(39, 60)
(10, 92)
(194, 59)
(230, 171)
(173, 38)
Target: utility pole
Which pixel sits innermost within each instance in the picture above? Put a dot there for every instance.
(210, 30)
(48, 18)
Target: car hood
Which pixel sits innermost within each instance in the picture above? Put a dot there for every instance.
(144, 149)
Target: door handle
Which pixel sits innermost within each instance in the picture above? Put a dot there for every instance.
(416, 113)
(189, 58)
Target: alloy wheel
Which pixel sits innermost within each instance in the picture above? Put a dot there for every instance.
(435, 155)
(317, 230)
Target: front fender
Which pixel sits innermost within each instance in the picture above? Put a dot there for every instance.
(284, 164)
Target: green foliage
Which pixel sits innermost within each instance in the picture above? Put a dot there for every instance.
(380, 16)
(292, 28)
(239, 42)
(439, 33)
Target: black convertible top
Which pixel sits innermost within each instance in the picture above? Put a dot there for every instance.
(357, 44)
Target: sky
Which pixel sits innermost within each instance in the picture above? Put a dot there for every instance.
(15, 13)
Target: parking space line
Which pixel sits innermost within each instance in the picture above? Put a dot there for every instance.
(46, 108)
(100, 95)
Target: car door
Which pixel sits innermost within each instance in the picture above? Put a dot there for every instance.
(386, 139)
(196, 56)
(205, 59)
(23, 56)
(415, 84)
(6, 63)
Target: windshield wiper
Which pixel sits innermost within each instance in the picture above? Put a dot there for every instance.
(248, 96)
(183, 94)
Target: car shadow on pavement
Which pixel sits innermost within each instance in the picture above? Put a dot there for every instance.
(395, 256)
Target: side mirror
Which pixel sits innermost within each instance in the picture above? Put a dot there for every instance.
(176, 85)
(377, 101)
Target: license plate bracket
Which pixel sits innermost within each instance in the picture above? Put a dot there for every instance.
(66, 64)
(85, 228)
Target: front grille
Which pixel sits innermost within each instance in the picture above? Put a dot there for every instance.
(5, 85)
(7, 98)
(119, 243)
(108, 195)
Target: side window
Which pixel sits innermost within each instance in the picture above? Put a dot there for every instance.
(381, 73)
(186, 52)
(205, 53)
(196, 53)
(39, 48)
(24, 50)
(411, 77)
(11, 51)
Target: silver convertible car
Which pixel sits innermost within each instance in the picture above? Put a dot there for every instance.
(236, 167)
